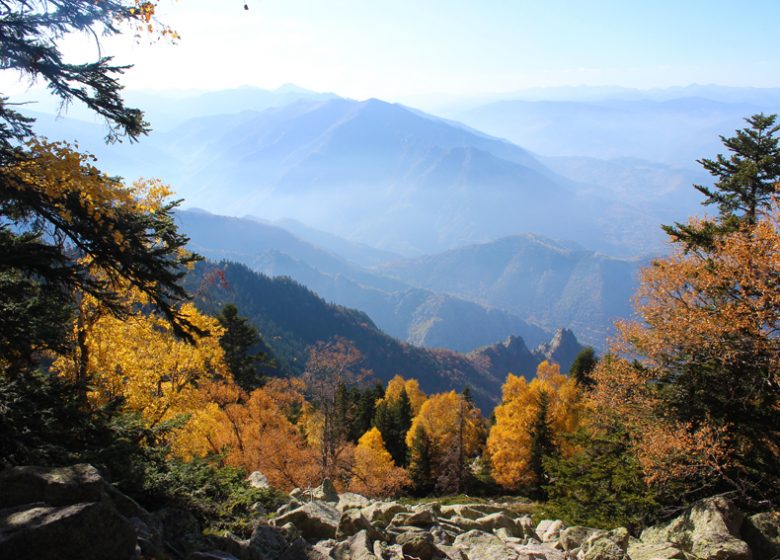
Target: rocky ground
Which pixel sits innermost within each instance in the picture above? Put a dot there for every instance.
(71, 512)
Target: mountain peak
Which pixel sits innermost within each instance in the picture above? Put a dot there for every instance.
(562, 348)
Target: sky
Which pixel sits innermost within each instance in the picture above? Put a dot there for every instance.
(392, 49)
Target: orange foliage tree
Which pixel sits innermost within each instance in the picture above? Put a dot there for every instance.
(509, 444)
(455, 430)
(698, 379)
(374, 473)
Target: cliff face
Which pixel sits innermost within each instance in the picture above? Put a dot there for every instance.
(561, 349)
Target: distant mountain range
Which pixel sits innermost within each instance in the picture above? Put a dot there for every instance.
(545, 282)
(372, 172)
(414, 315)
(292, 319)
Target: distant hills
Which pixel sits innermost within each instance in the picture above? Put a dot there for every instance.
(543, 281)
(414, 315)
(291, 318)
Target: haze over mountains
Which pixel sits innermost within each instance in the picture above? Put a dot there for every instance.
(444, 235)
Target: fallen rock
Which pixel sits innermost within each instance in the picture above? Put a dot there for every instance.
(467, 511)
(315, 520)
(55, 486)
(762, 533)
(643, 551)
(495, 521)
(352, 522)
(258, 480)
(418, 544)
(710, 529)
(211, 555)
(549, 529)
(325, 492)
(478, 545)
(350, 500)
(357, 547)
(382, 512)
(84, 531)
(575, 536)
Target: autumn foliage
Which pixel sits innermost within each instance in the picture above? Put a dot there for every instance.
(375, 473)
(509, 445)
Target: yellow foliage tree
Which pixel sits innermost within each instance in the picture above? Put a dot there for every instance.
(375, 473)
(141, 359)
(509, 442)
(416, 395)
(455, 429)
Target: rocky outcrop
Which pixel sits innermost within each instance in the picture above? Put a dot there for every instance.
(73, 513)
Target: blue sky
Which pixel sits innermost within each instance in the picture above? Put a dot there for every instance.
(392, 49)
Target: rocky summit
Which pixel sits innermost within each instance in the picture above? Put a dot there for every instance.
(72, 513)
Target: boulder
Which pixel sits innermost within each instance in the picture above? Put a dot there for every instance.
(606, 545)
(461, 510)
(536, 552)
(352, 522)
(526, 527)
(478, 545)
(55, 486)
(258, 480)
(418, 544)
(709, 529)
(211, 555)
(638, 550)
(180, 530)
(549, 529)
(382, 512)
(315, 520)
(495, 521)
(270, 541)
(574, 537)
(350, 500)
(84, 531)
(357, 547)
(762, 533)
(325, 492)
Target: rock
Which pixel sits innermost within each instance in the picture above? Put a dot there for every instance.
(84, 531)
(55, 486)
(296, 493)
(495, 521)
(574, 537)
(418, 544)
(605, 545)
(350, 500)
(478, 545)
(536, 552)
(665, 551)
(762, 533)
(461, 510)
(315, 520)
(525, 526)
(710, 529)
(180, 530)
(148, 539)
(325, 492)
(382, 511)
(549, 529)
(464, 523)
(258, 480)
(451, 553)
(352, 522)
(211, 555)
(357, 547)
(289, 506)
(420, 517)
(271, 542)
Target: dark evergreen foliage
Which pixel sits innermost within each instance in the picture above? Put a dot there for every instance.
(600, 486)
(745, 182)
(244, 349)
(421, 457)
(394, 419)
(582, 367)
(542, 443)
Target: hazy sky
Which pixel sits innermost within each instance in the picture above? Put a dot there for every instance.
(392, 48)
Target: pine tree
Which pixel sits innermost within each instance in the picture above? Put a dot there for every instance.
(421, 456)
(582, 367)
(542, 443)
(393, 419)
(746, 182)
(240, 338)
